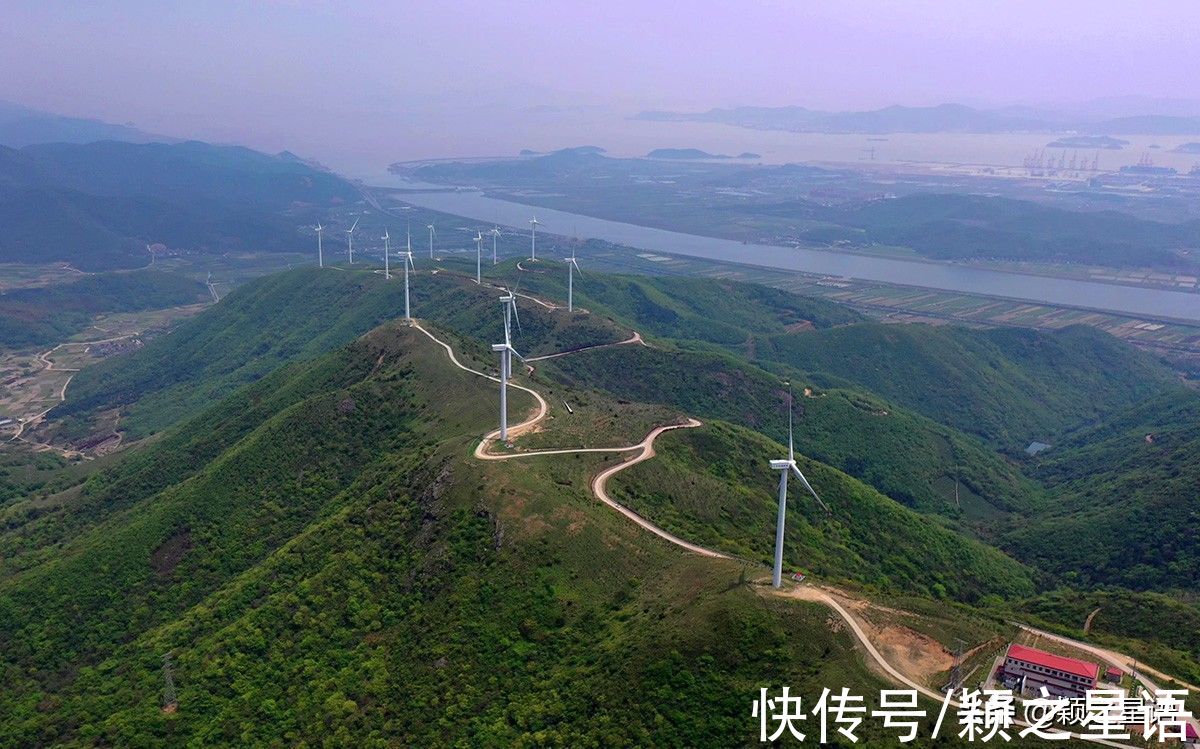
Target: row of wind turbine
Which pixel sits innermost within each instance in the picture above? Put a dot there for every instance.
(786, 467)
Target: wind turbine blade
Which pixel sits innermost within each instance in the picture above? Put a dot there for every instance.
(799, 475)
(355, 226)
(514, 353)
(515, 313)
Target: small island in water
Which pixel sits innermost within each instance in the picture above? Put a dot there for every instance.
(1089, 141)
(695, 153)
(1187, 148)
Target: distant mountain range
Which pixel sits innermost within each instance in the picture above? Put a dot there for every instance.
(98, 205)
(943, 118)
(21, 126)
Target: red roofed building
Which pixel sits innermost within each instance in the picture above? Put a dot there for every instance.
(1060, 675)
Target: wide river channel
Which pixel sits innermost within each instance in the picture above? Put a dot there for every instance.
(1129, 300)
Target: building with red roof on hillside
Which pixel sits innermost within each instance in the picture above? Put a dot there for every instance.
(1030, 669)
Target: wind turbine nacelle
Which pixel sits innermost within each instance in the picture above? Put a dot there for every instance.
(499, 347)
(781, 465)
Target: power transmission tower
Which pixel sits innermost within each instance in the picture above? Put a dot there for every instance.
(956, 670)
(168, 669)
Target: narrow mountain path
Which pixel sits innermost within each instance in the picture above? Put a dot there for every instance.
(636, 338)
(646, 448)
(61, 395)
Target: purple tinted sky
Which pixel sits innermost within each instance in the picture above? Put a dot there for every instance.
(347, 83)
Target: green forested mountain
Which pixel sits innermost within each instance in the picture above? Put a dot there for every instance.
(1126, 510)
(309, 539)
(324, 563)
(728, 313)
(710, 484)
(908, 458)
(297, 315)
(1008, 386)
(302, 313)
(98, 205)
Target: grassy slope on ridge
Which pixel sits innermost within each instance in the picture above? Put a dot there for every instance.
(715, 311)
(289, 316)
(906, 457)
(714, 485)
(337, 574)
(1007, 386)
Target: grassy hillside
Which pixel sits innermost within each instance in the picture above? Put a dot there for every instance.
(48, 314)
(310, 540)
(1159, 629)
(294, 316)
(1126, 510)
(332, 569)
(908, 458)
(713, 485)
(727, 313)
(1008, 386)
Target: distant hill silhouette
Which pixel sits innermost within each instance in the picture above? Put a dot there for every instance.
(943, 118)
(21, 126)
(98, 205)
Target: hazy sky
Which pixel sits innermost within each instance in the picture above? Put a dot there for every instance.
(359, 84)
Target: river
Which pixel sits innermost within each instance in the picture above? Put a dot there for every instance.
(1129, 300)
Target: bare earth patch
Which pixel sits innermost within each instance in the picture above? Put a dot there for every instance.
(170, 553)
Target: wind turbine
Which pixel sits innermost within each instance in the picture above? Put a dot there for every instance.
(350, 240)
(431, 233)
(495, 232)
(507, 352)
(534, 223)
(478, 258)
(572, 266)
(509, 300)
(387, 250)
(320, 256)
(785, 467)
(408, 263)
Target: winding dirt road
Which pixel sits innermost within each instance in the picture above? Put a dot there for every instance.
(645, 450)
(802, 592)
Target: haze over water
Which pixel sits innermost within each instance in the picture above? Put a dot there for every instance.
(949, 277)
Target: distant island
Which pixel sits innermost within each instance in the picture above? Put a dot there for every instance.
(942, 118)
(695, 153)
(1187, 148)
(1089, 141)
(565, 152)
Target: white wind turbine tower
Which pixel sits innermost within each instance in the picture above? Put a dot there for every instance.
(320, 256)
(495, 232)
(431, 233)
(350, 240)
(507, 352)
(479, 258)
(785, 467)
(533, 223)
(572, 266)
(408, 263)
(387, 250)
